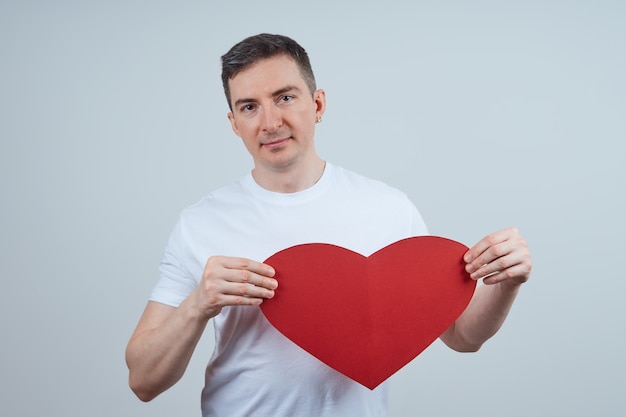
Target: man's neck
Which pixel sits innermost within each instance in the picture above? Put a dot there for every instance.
(291, 179)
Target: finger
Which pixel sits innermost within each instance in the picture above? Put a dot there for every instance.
(487, 242)
(504, 257)
(235, 300)
(242, 289)
(498, 265)
(243, 270)
(223, 292)
(248, 265)
(518, 274)
(492, 259)
(245, 278)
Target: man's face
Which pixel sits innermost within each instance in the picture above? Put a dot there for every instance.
(274, 114)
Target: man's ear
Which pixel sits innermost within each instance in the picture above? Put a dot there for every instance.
(233, 123)
(319, 97)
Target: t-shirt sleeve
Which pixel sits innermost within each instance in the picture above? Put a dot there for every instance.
(175, 282)
(418, 226)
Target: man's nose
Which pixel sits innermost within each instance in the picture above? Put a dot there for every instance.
(272, 119)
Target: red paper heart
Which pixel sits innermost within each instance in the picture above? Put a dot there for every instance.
(367, 317)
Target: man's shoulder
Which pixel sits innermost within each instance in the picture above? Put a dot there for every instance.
(218, 199)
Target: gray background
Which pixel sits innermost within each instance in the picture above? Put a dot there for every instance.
(112, 120)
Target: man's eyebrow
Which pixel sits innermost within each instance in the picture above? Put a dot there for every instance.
(285, 90)
(244, 101)
(276, 93)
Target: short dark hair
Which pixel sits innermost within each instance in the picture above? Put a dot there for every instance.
(258, 47)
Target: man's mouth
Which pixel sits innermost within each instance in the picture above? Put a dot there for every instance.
(276, 143)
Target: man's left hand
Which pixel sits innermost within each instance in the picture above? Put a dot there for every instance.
(502, 256)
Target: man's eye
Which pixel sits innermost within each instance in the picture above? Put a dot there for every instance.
(285, 98)
(247, 108)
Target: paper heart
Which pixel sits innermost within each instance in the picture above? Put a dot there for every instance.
(367, 317)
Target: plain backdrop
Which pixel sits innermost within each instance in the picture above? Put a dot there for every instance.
(487, 114)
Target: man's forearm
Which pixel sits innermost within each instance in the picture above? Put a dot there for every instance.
(157, 357)
(482, 318)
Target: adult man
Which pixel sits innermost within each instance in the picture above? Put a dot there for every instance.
(291, 196)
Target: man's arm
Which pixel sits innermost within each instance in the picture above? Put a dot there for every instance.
(162, 344)
(503, 260)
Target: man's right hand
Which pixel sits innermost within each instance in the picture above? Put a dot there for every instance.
(229, 281)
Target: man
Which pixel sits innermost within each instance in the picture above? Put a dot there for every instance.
(213, 267)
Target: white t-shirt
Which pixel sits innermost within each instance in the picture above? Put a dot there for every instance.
(255, 370)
